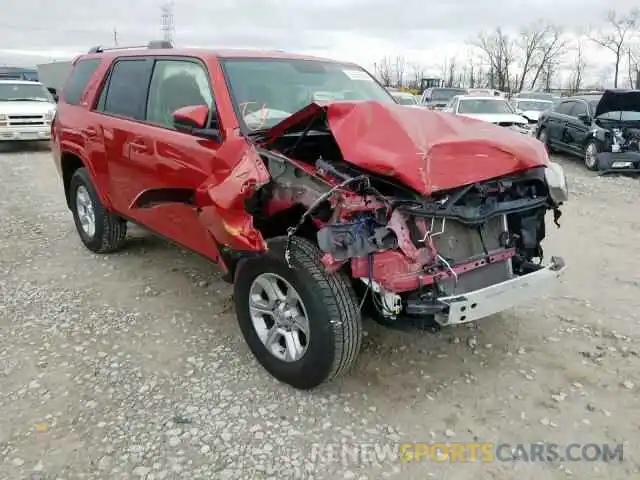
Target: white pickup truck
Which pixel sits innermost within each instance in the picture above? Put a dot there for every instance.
(26, 111)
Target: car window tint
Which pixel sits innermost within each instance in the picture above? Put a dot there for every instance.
(78, 80)
(565, 107)
(176, 84)
(126, 93)
(578, 108)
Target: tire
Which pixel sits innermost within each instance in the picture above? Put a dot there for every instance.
(333, 317)
(591, 162)
(543, 136)
(109, 231)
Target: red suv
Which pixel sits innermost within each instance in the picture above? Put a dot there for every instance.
(316, 194)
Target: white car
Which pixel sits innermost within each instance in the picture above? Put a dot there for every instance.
(531, 108)
(496, 110)
(26, 111)
(404, 98)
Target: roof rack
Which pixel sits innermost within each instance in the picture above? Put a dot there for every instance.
(153, 44)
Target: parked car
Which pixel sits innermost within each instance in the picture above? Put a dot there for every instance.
(531, 108)
(485, 92)
(404, 98)
(602, 128)
(535, 96)
(437, 97)
(26, 111)
(313, 209)
(495, 110)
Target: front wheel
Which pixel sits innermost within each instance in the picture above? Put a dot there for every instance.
(301, 323)
(591, 151)
(543, 136)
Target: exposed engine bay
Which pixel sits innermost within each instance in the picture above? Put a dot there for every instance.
(408, 249)
(625, 139)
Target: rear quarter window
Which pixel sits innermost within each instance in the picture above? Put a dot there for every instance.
(78, 80)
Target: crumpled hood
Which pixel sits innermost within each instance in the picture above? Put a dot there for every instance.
(26, 108)
(424, 149)
(531, 114)
(618, 100)
(496, 117)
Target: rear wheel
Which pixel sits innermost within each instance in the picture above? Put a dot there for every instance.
(99, 230)
(591, 151)
(302, 323)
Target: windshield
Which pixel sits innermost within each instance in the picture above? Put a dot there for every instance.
(625, 116)
(405, 99)
(538, 106)
(24, 91)
(445, 94)
(265, 91)
(484, 105)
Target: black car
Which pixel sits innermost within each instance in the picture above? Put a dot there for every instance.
(602, 128)
(436, 98)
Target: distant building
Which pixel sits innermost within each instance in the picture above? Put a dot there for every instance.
(53, 75)
(18, 73)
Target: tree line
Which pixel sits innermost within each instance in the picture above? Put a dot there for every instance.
(532, 58)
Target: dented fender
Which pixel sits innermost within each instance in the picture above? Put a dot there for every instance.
(220, 202)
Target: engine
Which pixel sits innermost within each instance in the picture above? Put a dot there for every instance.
(625, 140)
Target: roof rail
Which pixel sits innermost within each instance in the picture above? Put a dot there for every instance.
(153, 44)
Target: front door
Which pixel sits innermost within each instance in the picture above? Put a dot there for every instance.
(578, 129)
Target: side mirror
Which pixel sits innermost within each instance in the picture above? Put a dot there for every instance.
(519, 112)
(586, 119)
(193, 119)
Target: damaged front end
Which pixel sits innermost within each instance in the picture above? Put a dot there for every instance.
(617, 118)
(452, 253)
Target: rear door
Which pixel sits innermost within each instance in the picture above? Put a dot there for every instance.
(120, 111)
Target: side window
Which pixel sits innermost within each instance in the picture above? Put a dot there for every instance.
(126, 93)
(176, 84)
(78, 79)
(579, 108)
(565, 108)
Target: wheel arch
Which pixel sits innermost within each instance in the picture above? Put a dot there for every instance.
(69, 163)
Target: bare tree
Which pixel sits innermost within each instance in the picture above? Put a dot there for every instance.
(399, 67)
(451, 77)
(384, 71)
(552, 47)
(620, 29)
(417, 74)
(530, 43)
(499, 50)
(578, 67)
(633, 62)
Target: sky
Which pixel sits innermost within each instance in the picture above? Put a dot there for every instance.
(361, 31)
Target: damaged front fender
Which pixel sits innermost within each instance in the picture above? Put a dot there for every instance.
(221, 202)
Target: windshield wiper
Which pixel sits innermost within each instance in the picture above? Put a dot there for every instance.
(31, 99)
(258, 134)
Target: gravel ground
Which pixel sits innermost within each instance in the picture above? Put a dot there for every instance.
(132, 365)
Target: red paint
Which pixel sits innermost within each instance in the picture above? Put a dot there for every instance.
(396, 273)
(126, 157)
(424, 149)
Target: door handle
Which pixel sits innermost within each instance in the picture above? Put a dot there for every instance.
(140, 147)
(90, 132)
